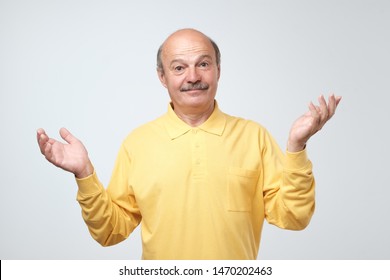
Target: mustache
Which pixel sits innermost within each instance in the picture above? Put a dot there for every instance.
(195, 86)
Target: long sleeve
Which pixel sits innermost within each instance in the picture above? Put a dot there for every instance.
(204, 192)
(288, 187)
(112, 214)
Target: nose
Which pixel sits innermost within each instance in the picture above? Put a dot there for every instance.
(193, 75)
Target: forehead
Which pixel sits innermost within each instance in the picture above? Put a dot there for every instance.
(187, 44)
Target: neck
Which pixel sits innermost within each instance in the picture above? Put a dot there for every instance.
(195, 118)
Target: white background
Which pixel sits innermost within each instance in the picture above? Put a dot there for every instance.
(90, 66)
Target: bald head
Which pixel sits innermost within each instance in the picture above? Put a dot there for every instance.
(185, 34)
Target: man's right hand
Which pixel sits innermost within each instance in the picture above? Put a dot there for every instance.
(71, 156)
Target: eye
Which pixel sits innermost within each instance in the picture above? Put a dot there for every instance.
(178, 68)
(204, 64)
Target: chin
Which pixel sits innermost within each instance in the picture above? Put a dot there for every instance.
(199, 101)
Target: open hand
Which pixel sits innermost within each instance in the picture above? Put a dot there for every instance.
(71, 156)
(311, 122)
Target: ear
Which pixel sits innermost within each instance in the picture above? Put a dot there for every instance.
(219, 71)
(161, 76)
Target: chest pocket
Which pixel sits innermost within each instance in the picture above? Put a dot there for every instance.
(241, 188)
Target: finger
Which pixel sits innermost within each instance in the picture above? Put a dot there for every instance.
(324, 109)
(67, 136)
(338, 99)
(45, 143)
(42, 141)
(47, 150)
(313, 109)
(43, 138)
(315, 112)
(48, 153)
(40, 132)
(331, 105)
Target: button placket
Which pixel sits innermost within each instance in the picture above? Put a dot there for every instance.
(198, 157)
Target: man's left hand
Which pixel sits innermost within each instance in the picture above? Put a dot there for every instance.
(311, 122)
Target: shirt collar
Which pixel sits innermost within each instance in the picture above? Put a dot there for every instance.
(175, 127)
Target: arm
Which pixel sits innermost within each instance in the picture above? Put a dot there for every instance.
(288, 187)
(288, 181)
(110, 217)
(112, 214)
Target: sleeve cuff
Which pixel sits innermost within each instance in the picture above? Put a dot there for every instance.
(296, 160)
(89, 185)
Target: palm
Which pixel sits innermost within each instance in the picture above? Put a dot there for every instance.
(311, 122)
(68, 156)
(303, 128)
(71, 156)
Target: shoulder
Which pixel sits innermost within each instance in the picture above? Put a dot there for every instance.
(150, 130)
(247, 125)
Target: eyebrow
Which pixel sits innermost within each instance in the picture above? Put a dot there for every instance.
(199, 58)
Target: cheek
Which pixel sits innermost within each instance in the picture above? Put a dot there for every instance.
(175, 83)
(212, 77)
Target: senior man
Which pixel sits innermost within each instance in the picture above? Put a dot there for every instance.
(201, 181)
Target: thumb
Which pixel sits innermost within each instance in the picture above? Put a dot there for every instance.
(67, 136)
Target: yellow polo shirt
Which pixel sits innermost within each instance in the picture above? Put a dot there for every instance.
(199, 193)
